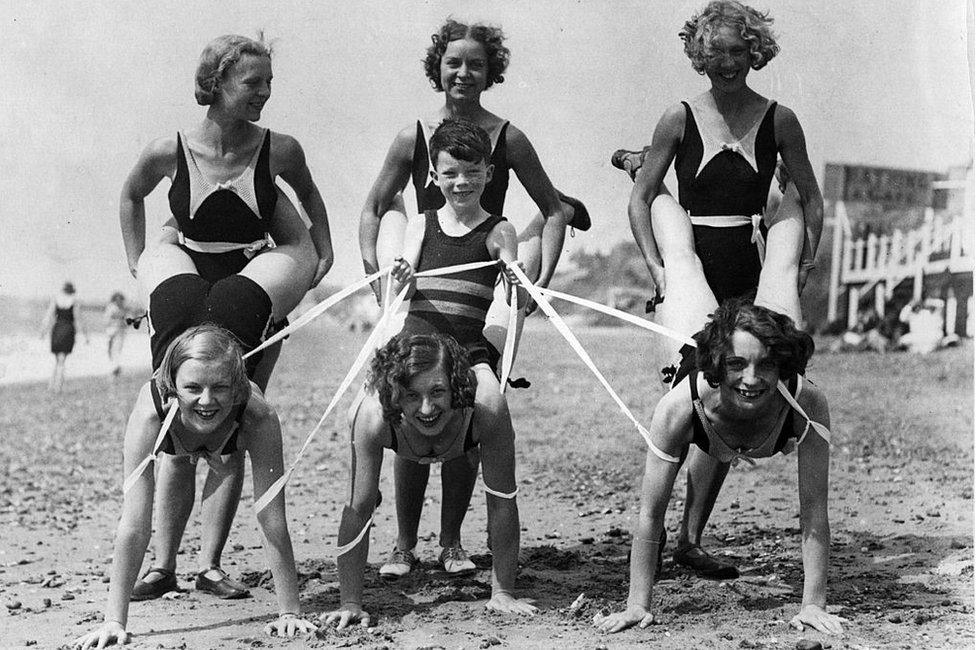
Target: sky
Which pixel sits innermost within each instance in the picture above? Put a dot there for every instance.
(876, 82)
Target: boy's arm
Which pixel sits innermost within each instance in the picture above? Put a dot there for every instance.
(502, 244)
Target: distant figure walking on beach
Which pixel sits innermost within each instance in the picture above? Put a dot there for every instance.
(60, 322)
(116, 312)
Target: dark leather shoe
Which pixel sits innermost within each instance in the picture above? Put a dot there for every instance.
(226, 588)
(705, 565)
(151, 590)
(581, 218)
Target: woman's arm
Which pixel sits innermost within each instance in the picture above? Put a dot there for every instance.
(793, 148)
(669, 432)
(135, 524)
(366, 450)
(813, 464)
(648, 184)
(392, 179)
(261, 436)
(296, 173)
(493, 430)
(156, 162)
(525, 162)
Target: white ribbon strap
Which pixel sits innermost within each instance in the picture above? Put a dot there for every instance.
(345, 548)
(131, 479)
(819, 428)
(622, 315)
(319, 309)
(501, 495)
(214, 247)
(508, 355)
(364, 355)
(574, 343)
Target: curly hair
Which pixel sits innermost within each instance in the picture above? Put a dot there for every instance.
(462, 139)
(753, 26)
(210, 343)
(491, 39)
(788, 347)
(407, 355)
(218, 56)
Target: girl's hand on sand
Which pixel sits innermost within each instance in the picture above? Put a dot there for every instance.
(289, 625)
(102, 637)
(505, 603)
(345, 616)
(633, 615)
(819, 619)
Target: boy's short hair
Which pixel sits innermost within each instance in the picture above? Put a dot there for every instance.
(405, 356)
(462, 139)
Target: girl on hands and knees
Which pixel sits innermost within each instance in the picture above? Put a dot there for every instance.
(727, 404)
(420, 402)
(219, 411)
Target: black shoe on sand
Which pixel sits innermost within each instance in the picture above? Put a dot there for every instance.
(151, 590)
(705, 565)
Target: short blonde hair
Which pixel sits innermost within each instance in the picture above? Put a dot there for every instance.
(753, 26)
(204, 343)
(219, 55)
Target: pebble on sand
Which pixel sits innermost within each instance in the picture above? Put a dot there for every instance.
(808, 644)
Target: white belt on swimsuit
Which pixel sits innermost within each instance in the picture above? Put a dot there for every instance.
(250, 250)
(732, 221)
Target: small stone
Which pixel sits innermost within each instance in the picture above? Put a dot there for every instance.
(808, 644)
(586, 540)
(47, 602)
(14, 604)
(67, 596)
(894, 618)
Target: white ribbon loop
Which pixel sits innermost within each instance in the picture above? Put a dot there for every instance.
(131, 479)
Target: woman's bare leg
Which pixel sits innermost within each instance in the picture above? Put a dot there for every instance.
(174, 502)
(221, 496)
(778, 281)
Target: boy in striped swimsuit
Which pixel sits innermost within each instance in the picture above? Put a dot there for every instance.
(460, 232)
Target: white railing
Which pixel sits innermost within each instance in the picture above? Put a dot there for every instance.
(934, 247)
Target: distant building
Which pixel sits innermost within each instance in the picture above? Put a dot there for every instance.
(898, 235)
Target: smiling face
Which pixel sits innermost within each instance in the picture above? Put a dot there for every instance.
(461, 182)
(464, 69)
(205, 394)
(728, 59)
(246, 87)
(751, 375)
(426, 402)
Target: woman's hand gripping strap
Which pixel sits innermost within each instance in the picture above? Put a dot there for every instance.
(131, 479)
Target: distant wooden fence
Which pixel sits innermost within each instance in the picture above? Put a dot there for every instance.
(881, 262)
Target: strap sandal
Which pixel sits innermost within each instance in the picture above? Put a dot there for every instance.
(225, 588)
(144, 590)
